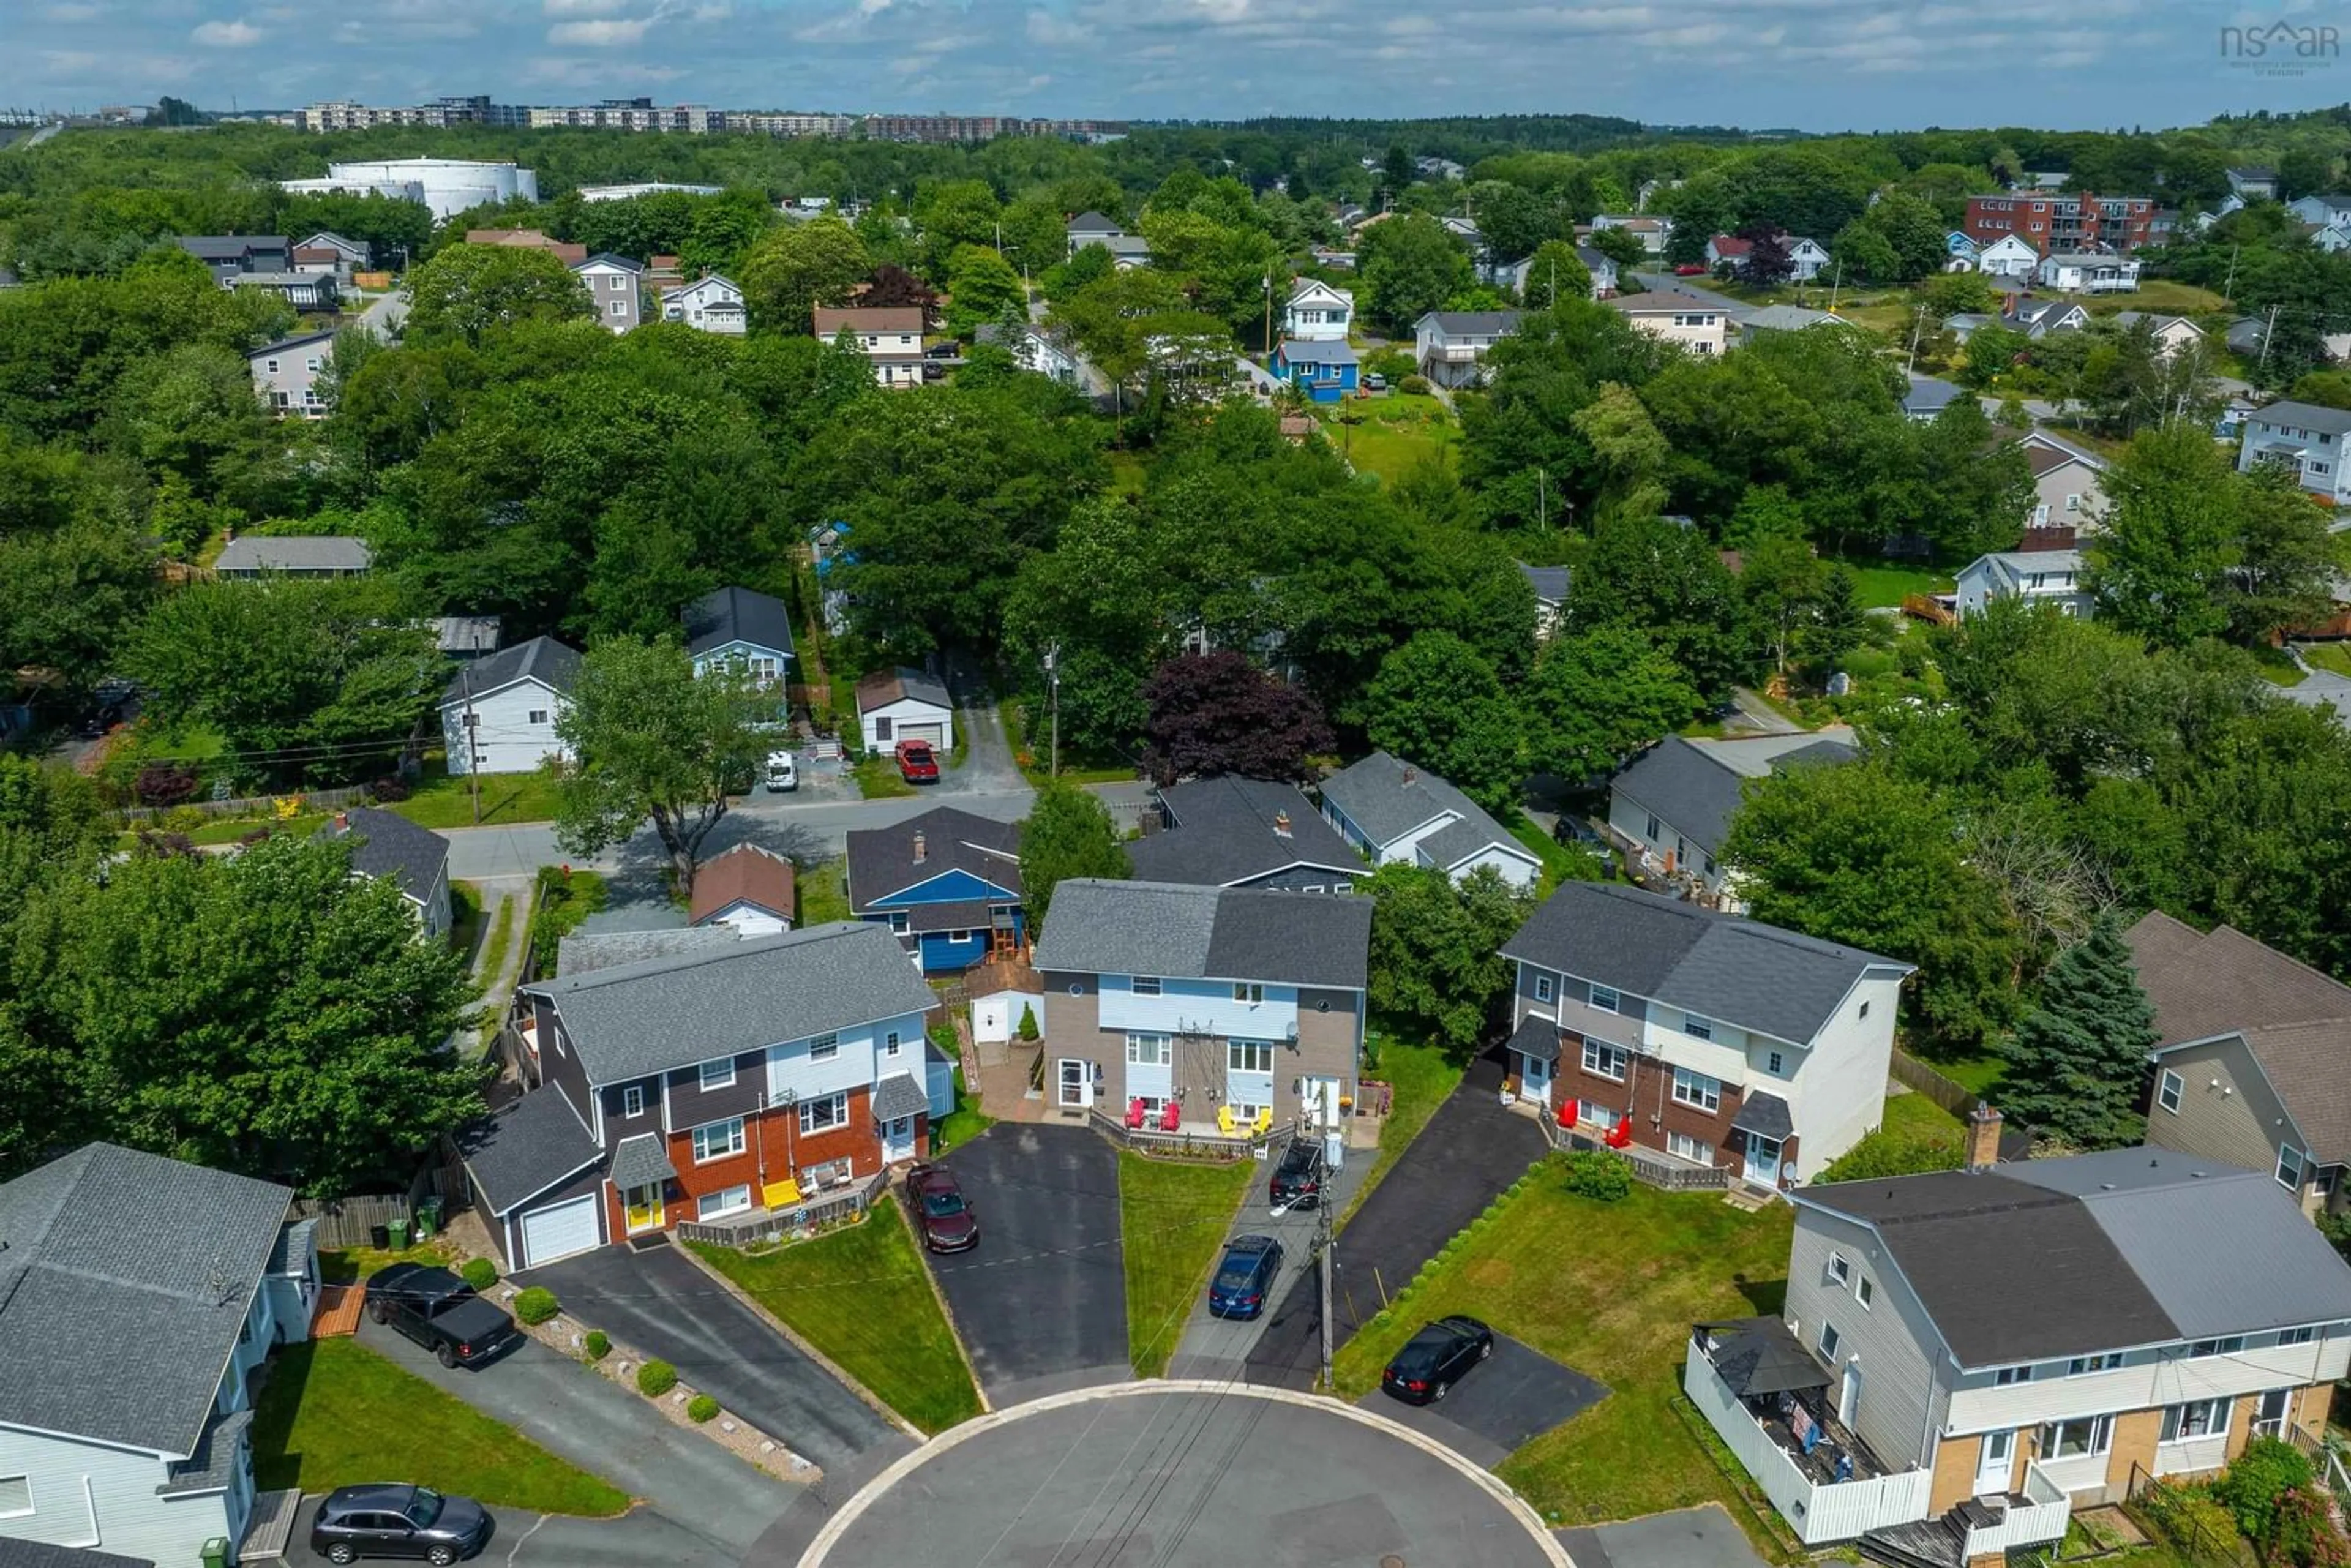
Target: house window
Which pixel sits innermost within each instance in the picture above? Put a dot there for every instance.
(1694, 1025)
(891, 1045)
(2289, 1169)
(1605, 1000)
(2072, 502)
(15, 1496)
(2204, 1348)
(1603, 1061)
(881, 727)
(1839, 1269)
(727, 1200)
(619, 308)
(824, 1113)
(2008, 1376)
(1829, 1339)
(2197, 1418)
(1249, 991)
(1865, 1010)
(1545, 987)
(1343, 887)
(538, 716)
(2297, 1336)
(1689, 1148)
(1775, 1065)
(633, 1100)
(958, 936)
(2077, 1438)
(1145, 985)
(900, 922)
(1657, 831)
(1864, 1293)
(1148, 1049)
(824, 1048)
(270, 366)
(1696, 1089)
(717, 1140)
(1250, 1055)
(718, 1074)
(312, 364)
(2105, 1362)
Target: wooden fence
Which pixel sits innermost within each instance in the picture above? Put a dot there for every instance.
(1149, 1141)
(1648, 1168)
(312, 801)
(352, 1221)
(1951, 1095)
(778, 1224)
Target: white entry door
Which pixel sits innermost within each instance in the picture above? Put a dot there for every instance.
(1077, 1082)
(898, 1140)
(1992, 1470)
(1536, 1079)
(1763, 1160)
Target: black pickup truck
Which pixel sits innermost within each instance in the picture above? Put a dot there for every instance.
(439, 1312)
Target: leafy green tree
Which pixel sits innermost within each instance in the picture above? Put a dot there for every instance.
(2287, 557)
(1596, 698)
(1513, 219)
(1862, 855)
(1437, 704)
(951, 215)
(69, 598)
(466, 290)
(1960, 293)
(1555, 272)
(795, 269)
(1668, 581)
(2077, 1062)
(1066, 833)
(648, 737)
(981, 287)
(396, 233)
(51, 826)
(1780, 581)
(2305, 172)
(2171, 538)
(1622, 246)
(1410, 264)
(1436, 948)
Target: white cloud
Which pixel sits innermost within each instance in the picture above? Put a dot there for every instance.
(74, 11)
(226, 35)
(606, 35)
(63, 62)
(583, 7)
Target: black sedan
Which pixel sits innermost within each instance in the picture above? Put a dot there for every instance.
(1245, 1278)
(1298, 1179)
(398, 1520)
(1435, 1358)
(941, 1211)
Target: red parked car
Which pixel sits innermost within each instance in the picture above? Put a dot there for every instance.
(917, 764)
(1689, 270)
(941, 1214)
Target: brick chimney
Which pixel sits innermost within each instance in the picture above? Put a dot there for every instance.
(342, 822)
(1281, 824)
(1983, 1137)
(1410, 773)
(922, 848)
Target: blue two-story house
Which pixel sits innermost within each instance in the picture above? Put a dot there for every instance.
(946, 881)
(1325, 372)
(743, 629)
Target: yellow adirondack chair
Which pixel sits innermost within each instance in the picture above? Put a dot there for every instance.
(1225, 1120)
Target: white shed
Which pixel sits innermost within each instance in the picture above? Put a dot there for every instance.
(996, 1018)
(904, 704)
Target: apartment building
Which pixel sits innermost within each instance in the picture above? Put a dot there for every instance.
(2052, 222)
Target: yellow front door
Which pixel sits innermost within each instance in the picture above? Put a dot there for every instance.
(645, 1207)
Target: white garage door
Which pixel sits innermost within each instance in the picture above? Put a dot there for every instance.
(559, 1230)
(934, 733)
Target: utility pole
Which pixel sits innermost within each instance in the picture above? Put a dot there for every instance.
(2229, 289)
(1917, 322)
(1326, 1248)
(1053, 681)
(1269, 311)
(1834, 284)
(473, 753)
(2267, 333)
(1542, 501)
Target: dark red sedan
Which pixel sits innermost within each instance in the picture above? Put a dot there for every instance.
(941, 1214)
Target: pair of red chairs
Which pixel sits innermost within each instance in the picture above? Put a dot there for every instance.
(1171, 1114)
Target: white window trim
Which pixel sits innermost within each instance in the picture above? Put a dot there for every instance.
(2219, 1411)
(2170, 1087)
(2289, 1172)
(836, 1106)
(1830, 1339)
(702, 1206)
(699, 1139)
(30, 1508)
(1161, 1049)
(2009, 1376)
(1143, 985)
(1235, 1049)
(1703, 1093)
(2088, 1365)
(1611, 1055)
(1615, 1004)
(632, 1100)
(1545, 989)
(892, 1045)
(1864, 1293)
(824, 1047)
(722, 1078)
(1840, 1271)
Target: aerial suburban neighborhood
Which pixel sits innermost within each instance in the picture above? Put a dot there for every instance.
(1416, 810)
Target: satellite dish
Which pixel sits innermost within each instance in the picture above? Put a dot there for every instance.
(1787, 1170)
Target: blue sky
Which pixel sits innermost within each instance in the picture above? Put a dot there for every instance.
(1814, 63)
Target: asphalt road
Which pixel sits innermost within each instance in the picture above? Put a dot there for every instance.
(1187, 1480)
(661, 1303)
(1471, 1149)
(1041, 1302)
(1687, 1538)
(698, 1503)
(1515, 1394)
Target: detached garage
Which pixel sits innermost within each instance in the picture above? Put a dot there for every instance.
(904, 704)
(538, 1180)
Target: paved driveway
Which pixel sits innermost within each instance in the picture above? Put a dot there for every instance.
(639, 1539)
(1041, 1301)
(660, 1302)
(1516, 1395)
(1470, 1150)
(700, 1504)
(1690, 1538)
(1220, 1348)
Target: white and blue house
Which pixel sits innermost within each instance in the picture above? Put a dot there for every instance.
(1392, 812)
(1325, 372)
(742, 628)
(948, 884)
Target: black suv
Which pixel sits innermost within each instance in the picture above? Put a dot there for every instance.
(1298, 1180)
(398, 1520)
(439, 1312)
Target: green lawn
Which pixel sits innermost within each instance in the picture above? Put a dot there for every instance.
(349, 1265)
(441, 801)
(1976, 1074)
(1561, 862)
(1421, 1075)
(1389, 435)
(822, 892)
(862, 1296)
(465, 917)
(878, 777)
(335, 1413)
(2164, 296)
(2276, 665)
(1611, 1290)
(1173, 1215)
(962, 1124)
(1884, 584)
(1126, 474)
(1913, 1115)
(2335, 656)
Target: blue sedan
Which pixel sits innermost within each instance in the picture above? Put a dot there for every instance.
(1244, 1278)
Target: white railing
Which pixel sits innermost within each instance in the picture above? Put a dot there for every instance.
(2042, 1518)
(1820, 1511)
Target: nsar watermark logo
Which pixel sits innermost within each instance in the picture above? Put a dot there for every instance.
(2282, 47)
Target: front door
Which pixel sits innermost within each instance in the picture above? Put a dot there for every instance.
(645, 1207)
(1763, 1160)
(1077, 1081)
(898, 1140)
(2269, 1416)
(1536, 1080)
(1993, 1469)
(1849, 1394)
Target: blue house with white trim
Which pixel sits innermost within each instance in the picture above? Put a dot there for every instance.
(1325, 372)
(946, 881)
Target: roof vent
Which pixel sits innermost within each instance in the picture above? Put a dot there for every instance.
(922, 848)
(1410, 773)
(1281, 823)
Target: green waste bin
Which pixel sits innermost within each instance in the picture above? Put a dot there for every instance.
(397, 1233)
(428, 1219)
(216, 1553)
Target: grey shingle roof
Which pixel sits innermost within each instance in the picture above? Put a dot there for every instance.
(1476, 323)
(291, 1251)
(1550, 583)
(1101, 927)
(1927, 395)
(41, 1554)
(299, 341)
(527, 1148)
(1765, 1114)
(1298, 352)
(1225, 832)
(2306, 416)
(882, 860)
(214, 1464)
(899, 1095)
(641, 1161)
(119, 1312)
(1092, 221)
(2128, 1248)
(727, 616)
(638, 1019)
(1536, 1037)
(1388, 798)
(326, 552)
(540, 659)
(1697, 790)
(1724, 967)
(387, 845)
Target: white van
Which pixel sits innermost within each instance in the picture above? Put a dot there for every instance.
(783, 773)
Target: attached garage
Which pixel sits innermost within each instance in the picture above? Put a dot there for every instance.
(558, 1231)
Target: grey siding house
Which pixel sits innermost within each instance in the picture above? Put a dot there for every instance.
(413, 859)
(1244, 832)
(1393, 812)
(286, 374)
